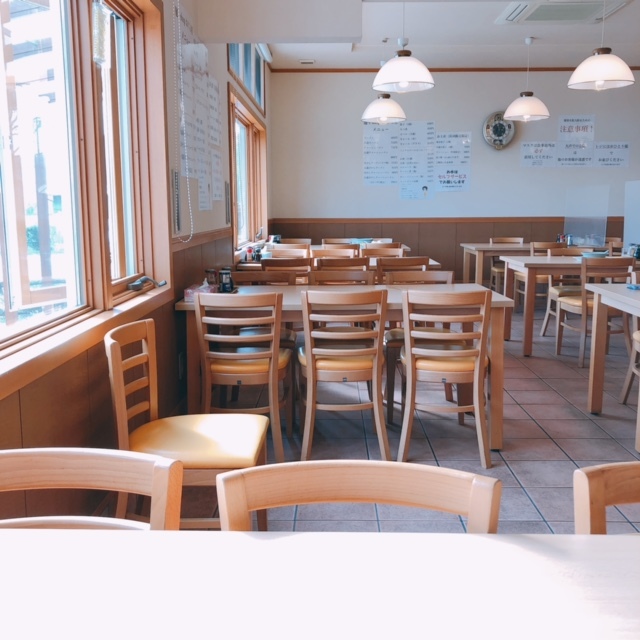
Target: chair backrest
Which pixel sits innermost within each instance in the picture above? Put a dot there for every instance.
(378, 252)
(386, 264)
(331, 241)
(597, 487)
(566, 251)
(470, 311)
(325, 481)
(303, 241)
(341, 276)
(334, 253)
(96, 469)
(433, 276)
(299, 266)
(607, 269)
(283, 251)
(331, 316)
(506, 240)
(542, 248)
(255, 277)
(616, 247)
(220, 318)
(335, 264)
(131, 355)
(343, 245)
(612, 239)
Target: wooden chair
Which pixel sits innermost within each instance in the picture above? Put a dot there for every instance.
(334, 253)
(289, 252)
(496, 280)
(383, 244)
(542, 282)
(470, 495)
(128, 472)
(560, 286)
(343, 334)
(433, 355)
(597, 487)
(205, 444)
(231, 356)
(306, 241)
(299, 266)
(384, 265)
(382, 252)
(336, 264)
(633, 370)
(341, 276)
(343, 245)
(593, 270)
(616, 247)
(394, 337)
(332, 241)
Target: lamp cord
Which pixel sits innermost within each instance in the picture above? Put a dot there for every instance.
(604, 11)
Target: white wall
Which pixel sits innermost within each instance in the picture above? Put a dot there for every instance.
(315, 138)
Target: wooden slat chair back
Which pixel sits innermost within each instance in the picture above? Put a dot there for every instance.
(592, 270)
(336, 264)
(470, 495)
(205, 444)
(343, 245)
(239, 338)
(386, 264)
(282, 251)
(299, 266)
(451, 357)
(497, 266)
(383, 252)
(332, 241)
(341, 277)
(128, 472)
(303, 241)
(433, 276)
(381, 244)
(343, 338)
(334, 253)
(600, 486)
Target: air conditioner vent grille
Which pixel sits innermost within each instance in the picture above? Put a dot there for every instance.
(557, 12)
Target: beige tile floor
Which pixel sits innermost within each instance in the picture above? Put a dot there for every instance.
(548, 433)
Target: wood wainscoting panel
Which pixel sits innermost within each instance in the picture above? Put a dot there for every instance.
(12, 503)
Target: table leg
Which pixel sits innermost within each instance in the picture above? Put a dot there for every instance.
(598, 354)
(466, 265)
(496, 379)
(529, 311)
(194, 383)
(479, 266)
(508, 292)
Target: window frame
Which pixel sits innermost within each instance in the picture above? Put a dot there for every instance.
(255, 86)
(27, 355)
(257, 193)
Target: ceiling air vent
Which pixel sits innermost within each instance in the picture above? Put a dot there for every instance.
(557, 12)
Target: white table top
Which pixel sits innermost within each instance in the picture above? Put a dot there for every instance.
(105, 584)
(618, 295)
(542, 261)
(499, 246)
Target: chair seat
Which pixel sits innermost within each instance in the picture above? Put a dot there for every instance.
(339, 363)
(204, 441)
(445, 364)
(575, 301)
(562, 290)
(250, 365)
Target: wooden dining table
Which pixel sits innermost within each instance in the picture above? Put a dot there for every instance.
(615, 296)
(531, 267)
(482, 250)
(292, 312)
(200, 584)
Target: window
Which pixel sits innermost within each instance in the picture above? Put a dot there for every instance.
(74, 173)
(249, 173)
(246, 63)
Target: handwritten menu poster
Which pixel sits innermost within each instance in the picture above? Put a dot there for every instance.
(417, 158)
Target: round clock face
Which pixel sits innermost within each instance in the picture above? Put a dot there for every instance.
(497, 131)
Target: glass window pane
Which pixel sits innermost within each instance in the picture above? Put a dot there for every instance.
(234, 58)
(242, 182)
(247, 60)
(40, 249)
(258, 93)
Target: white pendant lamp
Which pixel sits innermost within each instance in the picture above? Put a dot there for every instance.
(384, 110)
(403, 73)
(527, 107)
(603, 70)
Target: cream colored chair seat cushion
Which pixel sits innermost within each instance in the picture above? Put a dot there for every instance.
(205, 441)
(250, 365)
(339, 363)
(575, 301)
(561, 290)
(451, 365)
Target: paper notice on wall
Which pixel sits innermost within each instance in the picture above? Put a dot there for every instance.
(538, 154)
(453, 161)
(380, 153)
(611, 154)
(416, 159)
(577, 128)
(575, 154)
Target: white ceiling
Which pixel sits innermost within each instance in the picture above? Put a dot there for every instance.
(464, 34)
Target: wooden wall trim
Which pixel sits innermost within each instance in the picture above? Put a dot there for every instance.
(423, 220)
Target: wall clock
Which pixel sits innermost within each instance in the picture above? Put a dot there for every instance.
(497, 131)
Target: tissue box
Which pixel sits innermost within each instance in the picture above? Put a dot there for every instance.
(191, 290)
